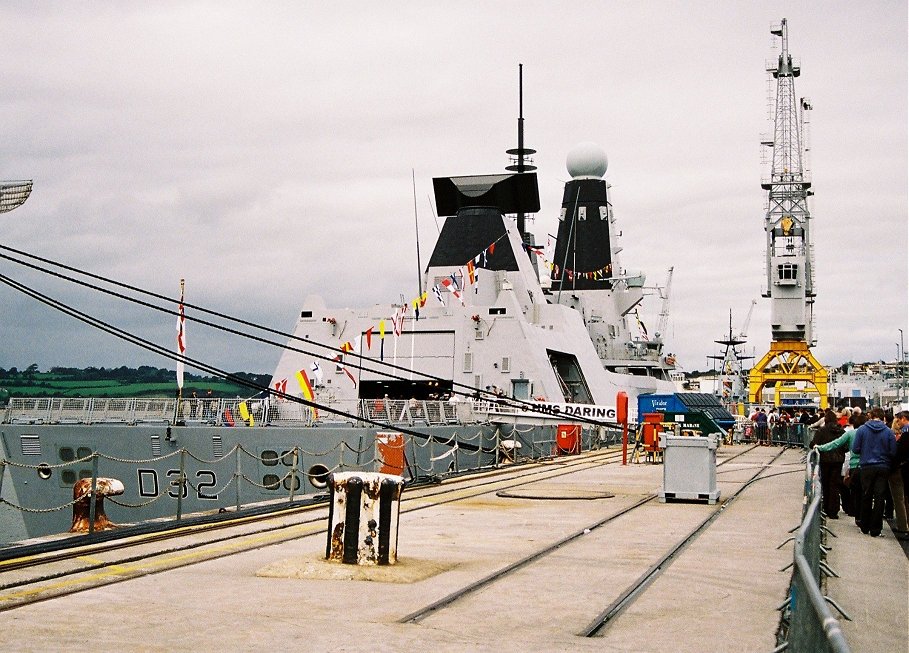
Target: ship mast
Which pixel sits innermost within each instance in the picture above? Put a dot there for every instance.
(789, 252)
(520, 156)
(733, 377)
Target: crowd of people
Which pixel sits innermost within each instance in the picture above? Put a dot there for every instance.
(864, 467)
(772, 426)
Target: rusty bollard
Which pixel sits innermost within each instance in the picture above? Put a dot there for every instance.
(363, 518)
(82, 493)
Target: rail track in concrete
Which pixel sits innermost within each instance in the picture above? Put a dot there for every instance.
(33, 577)
(573, 545)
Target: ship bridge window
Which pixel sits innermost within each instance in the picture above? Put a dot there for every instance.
(495, 310)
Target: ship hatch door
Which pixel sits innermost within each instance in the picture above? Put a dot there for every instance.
(571, 378)
(520, 389)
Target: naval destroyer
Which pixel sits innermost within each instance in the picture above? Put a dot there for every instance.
(505, 355)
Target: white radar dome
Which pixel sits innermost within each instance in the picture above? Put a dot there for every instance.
(587, 160)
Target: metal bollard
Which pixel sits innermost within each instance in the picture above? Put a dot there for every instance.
(88, 508)
(363, 518)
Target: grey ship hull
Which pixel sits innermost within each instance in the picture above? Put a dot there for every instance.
(224, 467)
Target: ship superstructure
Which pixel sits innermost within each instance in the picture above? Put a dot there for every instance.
(486, 323)
(587, 275)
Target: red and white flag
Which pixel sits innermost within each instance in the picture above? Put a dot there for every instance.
(339, 360)
(181, 337)
(451, 284)
(398, 320)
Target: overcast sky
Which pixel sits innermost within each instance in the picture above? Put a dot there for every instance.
(264, 152)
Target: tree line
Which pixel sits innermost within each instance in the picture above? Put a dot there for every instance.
(123, 375)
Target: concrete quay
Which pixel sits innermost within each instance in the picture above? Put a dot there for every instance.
(720, 592)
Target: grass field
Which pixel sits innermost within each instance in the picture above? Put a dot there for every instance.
(55, 385)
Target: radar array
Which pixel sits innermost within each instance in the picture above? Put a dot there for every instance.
(13, 194)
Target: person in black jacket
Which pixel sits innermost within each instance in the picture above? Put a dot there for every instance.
(900, 474)
(831, 464)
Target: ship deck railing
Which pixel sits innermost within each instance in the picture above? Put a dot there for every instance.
(81, 410)
(412, 411)
(240, 412)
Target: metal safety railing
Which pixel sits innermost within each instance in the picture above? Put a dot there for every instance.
(234, 412)
(784, 435)
(806, 622)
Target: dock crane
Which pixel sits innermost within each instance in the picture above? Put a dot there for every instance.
(743, 334)
(789, 250)
(664, 309)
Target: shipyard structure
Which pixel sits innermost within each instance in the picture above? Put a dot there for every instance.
(790, 363)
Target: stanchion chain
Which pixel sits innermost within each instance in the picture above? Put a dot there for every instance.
(39, 510)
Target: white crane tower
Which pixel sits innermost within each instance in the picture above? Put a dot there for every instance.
(789, 255)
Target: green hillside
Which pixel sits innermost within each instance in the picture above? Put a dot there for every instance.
(118, 382)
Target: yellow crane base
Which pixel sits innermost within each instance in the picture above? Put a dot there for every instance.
(788, 362)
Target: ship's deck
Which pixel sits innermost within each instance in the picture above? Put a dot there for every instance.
(478, 572)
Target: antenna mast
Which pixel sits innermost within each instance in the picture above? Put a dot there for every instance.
(416, 226)
(520, 156)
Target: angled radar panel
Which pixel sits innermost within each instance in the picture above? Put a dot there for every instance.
(13, 194)
(508, 193)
